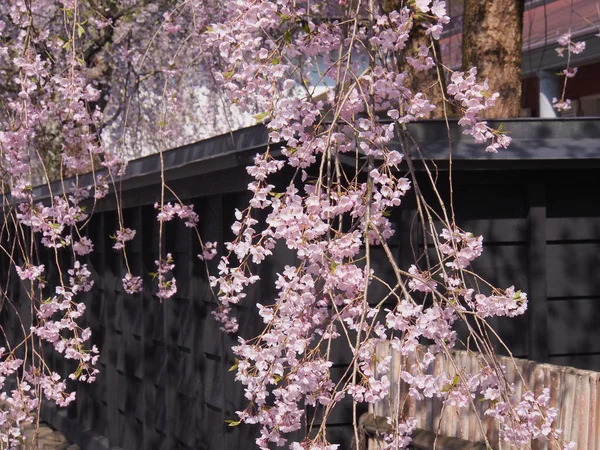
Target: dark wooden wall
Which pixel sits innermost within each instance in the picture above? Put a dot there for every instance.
(164, 378)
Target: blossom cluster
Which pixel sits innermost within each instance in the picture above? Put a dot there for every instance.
(566, 43)
(533, 418)
(169, 211)
(461, 247)
(132, 284)
(167, 285)
(332, 214)
(474, 98)
(49, 109)
(122, 236)
(209, 251)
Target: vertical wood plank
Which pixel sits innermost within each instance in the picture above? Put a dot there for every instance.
(199, 290)
(101, 398)
(169, 239)
(84, 403)
(112, 339)
(537, 295)
(131, 337)
(214, 431)
(149, 354)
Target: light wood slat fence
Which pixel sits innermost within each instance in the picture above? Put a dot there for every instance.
(574, 392)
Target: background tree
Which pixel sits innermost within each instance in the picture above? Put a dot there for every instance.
(141, 58)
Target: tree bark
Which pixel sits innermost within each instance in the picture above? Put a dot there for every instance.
(492, 41)
(427, 81)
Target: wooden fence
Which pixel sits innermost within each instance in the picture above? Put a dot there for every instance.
(575, 393)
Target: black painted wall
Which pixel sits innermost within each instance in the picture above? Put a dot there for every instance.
(165, 381)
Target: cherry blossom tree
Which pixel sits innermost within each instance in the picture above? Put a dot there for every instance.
(332, 82)
(139, 60)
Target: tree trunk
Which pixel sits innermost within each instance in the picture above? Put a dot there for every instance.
(427, 81)
(492, 41)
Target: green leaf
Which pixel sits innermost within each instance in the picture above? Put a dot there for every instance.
(333, 267)
(455, 380)
(78, 372)
(260, 117)
(80, 30)
(452, 385)
(233, 423)
(228, 75)
(234, 367)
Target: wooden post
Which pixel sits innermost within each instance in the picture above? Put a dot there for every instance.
(537, 291)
